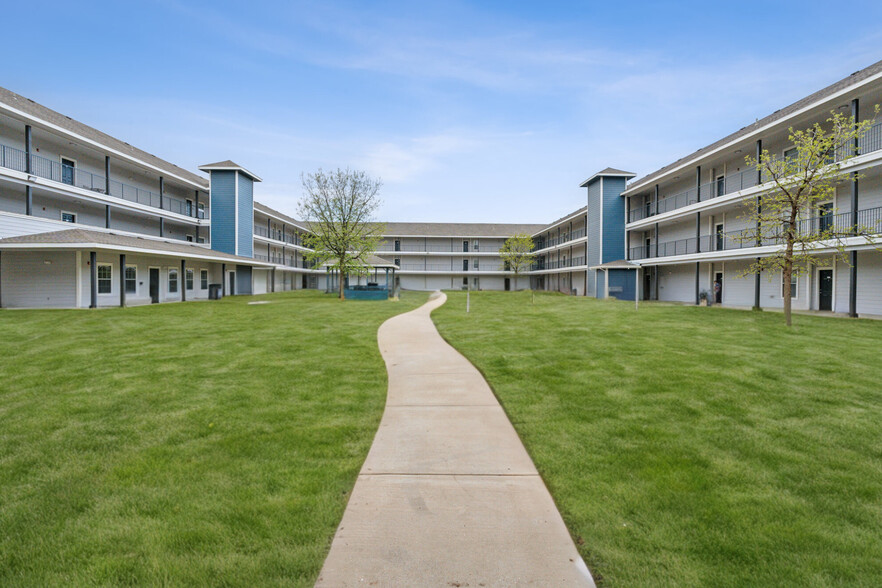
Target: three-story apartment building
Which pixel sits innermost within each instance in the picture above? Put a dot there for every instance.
(89, 220)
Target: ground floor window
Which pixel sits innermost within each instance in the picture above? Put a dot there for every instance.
(105, 278)
(131, 279)
(203, 279)
(189, 279)
(794, 286)
(172, 281)
(68, 217)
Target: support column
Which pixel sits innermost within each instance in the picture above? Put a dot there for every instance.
(93, 278)
(161, 227)
(852, 270)
(759, 237)
(697, 280)
(195, 204)
(183, 281)
(106, 216)
(655, 283)
(853, 259)
(656, 199)
(698, 183)
(656, 240)
(697, 232)
(223, 279)
(122, 280)
(107, 175)
(273, 280)
(161, 192)
(29, 195)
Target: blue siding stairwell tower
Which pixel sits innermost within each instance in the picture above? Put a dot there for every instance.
(605, 227)
(232, 207)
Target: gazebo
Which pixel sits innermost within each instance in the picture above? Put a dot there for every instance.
(371, 289)
(616, 283)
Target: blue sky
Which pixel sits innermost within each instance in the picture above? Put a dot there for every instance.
(470, 112)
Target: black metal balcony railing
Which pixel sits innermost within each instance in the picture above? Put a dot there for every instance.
(564, 238)
(558, 264)
(830, 226)
(277, 234)
(748, 178)
(16, 159)
(446, 267)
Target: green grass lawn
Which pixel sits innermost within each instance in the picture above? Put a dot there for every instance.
(693, 446)
(210, 443)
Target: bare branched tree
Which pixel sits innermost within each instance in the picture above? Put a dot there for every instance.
(793, 212)
(339, 207)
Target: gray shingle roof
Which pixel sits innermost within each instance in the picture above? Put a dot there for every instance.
(227, 164)
(85, 237)
(842, 84)
(372, 261)
(266, 209)
(28, 106)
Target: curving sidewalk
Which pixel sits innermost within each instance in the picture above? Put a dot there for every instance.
(447, 495)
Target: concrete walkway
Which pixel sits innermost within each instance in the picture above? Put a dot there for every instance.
(447, 495)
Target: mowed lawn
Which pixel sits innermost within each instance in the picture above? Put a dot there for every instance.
(208, 443)
(693, 446)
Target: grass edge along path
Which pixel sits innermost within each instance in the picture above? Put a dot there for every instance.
(692, 446)
(205, 443)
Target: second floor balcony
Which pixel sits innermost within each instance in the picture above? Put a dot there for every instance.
(54, 171)
(818, 228)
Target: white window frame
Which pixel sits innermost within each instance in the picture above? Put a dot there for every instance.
(172, 271)
(73, 214)
(793, 284)
(189, 278)
(126, 280)
(200, 240)
(203, 279)
(109, 280)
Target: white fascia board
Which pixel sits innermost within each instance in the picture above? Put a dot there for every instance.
(127, 249)
(560, 270)
(691, 162)
(599, 175)
(286, 221)
(99, 146)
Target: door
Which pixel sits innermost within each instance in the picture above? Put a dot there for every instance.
(232, 283)
(647, 284)
(67, 171)
(825, 217)
(507, 284)
(718, 234)
(154, 285)
(825, 289)
(718, 287)
(303, 282)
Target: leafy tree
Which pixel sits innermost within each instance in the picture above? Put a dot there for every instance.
(339, 207)
(788, 212)
(517, 253)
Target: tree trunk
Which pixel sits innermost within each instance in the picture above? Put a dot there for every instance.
(341, 286)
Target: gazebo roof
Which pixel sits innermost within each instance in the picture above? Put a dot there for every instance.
(372, 261)
(617, 264)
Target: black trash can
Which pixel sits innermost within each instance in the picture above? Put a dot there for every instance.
(214, 291)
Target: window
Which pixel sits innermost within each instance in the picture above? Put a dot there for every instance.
(188, 277)
(825, 217)
(790, 153)
(189, 208)
(475, 245)
(475, 264)
(190, 238)
(68, 166)
(105, 278)
(721, 185)
(203, 279)
(68, 217)
(397, 245)
(131, 279)
(172, 281)
(794, 286)
(200, 210)
(398, 261)
(200, 240)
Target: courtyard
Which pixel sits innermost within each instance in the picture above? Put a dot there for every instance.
(185, 443)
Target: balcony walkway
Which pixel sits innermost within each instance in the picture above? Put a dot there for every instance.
(447, 495)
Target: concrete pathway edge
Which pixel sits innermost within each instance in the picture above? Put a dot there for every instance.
(448, 495)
